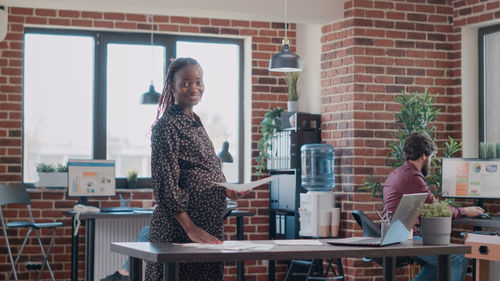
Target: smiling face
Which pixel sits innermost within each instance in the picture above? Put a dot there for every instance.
(188, 86)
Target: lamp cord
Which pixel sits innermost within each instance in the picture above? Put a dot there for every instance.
(286, 18)
(152, 53)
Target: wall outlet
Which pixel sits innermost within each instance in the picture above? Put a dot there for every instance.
(33, 265)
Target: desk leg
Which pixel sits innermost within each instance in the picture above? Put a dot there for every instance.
(389, 264)
(90, 249)
(74, 252)
(482, 270)
(135, 269)
(240, 270)
(170, 271)
(444, 268)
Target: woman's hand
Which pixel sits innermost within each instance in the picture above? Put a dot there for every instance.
(235, 195)
(473, 211)
(195, 233)
(199, 235)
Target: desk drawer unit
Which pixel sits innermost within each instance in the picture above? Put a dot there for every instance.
(485, 248)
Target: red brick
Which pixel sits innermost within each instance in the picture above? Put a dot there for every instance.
(21, 11)
(184, 20)
(220, 22)
(201, 21)
(87, 23)
(114, 16)
(45, 13)
(69, 14)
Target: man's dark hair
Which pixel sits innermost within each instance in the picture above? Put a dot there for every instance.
(418, 144)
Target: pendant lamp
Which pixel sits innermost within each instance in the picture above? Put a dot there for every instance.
(224, 155)
(285, 61)
(151, 96)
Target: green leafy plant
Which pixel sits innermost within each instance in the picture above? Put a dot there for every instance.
(436, 210)
(416, 114)
(132, 175)
(291, 79)
(269, 125)
(52, 168)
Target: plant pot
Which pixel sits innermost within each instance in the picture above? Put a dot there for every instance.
(52, 180)
(436, 231)
(132, 184)
(292, 106)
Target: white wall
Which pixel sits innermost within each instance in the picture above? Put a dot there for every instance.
(309, 50)
(470, 121)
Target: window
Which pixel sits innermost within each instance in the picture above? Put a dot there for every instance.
(489, 84)
(88, 106)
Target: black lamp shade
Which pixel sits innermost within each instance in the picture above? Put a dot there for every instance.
(151, 96)
(285, 61)
(224, 155)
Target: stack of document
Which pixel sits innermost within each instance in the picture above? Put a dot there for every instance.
(230, 245)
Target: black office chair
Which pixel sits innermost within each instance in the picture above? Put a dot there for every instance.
(315, 270)
(17, 194)
(370, 229)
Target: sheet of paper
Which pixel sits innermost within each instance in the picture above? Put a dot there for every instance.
(240, 187)
(229, 245)
(298, 242)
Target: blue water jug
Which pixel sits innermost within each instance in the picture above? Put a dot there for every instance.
(317, 166)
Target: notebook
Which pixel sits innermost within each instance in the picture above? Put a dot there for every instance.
(402, 222)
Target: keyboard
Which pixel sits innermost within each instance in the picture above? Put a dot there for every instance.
(117, 209)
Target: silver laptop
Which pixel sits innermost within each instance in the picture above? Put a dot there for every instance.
(402, 222)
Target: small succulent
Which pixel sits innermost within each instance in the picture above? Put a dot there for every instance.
(436, 210)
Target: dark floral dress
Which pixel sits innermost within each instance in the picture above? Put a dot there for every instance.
(184, 170)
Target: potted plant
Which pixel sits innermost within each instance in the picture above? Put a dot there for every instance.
(417, 113)
(291, 79)
(435, 223)
(52, 175)
(269, 125)
(132, 179)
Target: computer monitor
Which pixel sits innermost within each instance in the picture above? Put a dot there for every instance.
(471, 178)
(89, 178)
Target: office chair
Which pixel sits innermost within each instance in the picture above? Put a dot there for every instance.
(17, 194)
(315, 269)
(370, 229)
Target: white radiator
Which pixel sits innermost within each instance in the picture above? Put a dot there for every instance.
(124, 229)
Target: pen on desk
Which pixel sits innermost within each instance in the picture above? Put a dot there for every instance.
(381, 218)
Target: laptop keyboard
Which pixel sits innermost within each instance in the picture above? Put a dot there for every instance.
(370, 241)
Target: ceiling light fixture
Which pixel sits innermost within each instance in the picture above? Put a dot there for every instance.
(151, 96)
(285, 61)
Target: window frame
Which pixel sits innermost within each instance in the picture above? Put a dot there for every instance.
(99, 95)
(482, 95)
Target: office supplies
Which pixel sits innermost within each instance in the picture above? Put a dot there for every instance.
(382, 220)
(79, 208)
(404, 218)
(483, 216)
(118, 209)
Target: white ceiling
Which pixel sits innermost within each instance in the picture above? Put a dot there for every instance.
(299, 11)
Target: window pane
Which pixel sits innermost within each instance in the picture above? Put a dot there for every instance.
(58, 87)
(219, 108)
(492, 86)
(130, 69)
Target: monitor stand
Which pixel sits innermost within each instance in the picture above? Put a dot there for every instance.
(83, 201)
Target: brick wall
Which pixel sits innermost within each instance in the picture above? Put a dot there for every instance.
(268, 91)
(377, 50)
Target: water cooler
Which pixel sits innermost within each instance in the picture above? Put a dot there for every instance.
(318, 178)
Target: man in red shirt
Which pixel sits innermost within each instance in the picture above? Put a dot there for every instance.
(410, 178)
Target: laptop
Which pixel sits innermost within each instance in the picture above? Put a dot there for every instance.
(402, 222)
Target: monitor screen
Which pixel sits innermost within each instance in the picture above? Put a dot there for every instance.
(91, 178)
(471, 178)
